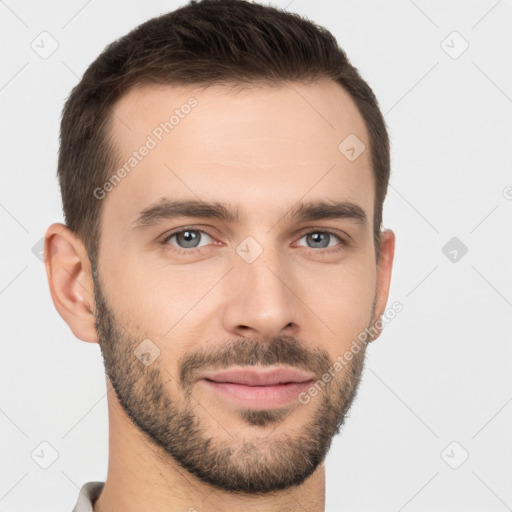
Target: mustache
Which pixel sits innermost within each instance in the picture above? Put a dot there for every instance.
(281, 350)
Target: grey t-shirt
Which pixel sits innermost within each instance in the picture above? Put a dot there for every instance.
(89, 493)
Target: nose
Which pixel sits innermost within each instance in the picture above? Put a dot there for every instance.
(260, 301)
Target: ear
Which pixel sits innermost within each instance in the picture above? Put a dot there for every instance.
(69, 277)
(384, 268)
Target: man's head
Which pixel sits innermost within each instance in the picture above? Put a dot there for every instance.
(223, 169)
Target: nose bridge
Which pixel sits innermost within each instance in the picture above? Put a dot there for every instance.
(260, 296)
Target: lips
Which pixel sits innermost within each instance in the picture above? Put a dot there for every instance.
(261, 377)
(257, 388)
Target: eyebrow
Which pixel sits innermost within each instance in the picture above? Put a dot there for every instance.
(166, 209)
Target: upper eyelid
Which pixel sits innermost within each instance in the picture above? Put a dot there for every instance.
(181, 230)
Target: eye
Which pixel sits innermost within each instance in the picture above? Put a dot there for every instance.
(187, 238)
(322, 239)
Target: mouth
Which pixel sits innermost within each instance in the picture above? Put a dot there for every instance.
(259, 389)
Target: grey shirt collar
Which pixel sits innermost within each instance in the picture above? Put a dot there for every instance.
(89, 493)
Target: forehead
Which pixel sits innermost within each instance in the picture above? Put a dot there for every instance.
(255, 145)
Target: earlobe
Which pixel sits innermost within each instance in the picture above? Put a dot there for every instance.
(70, 280)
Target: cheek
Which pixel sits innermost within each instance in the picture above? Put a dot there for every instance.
(155, 299)
(342, 299)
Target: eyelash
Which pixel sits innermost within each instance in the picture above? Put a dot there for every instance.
(343, 245)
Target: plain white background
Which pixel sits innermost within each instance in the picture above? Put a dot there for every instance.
(437, 387)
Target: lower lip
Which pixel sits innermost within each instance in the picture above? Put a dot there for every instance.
(259, 397)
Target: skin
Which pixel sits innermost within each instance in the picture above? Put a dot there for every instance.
(261, 149)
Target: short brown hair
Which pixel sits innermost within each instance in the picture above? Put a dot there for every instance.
(204, 42)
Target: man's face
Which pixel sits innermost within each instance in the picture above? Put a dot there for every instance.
(267, 290)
